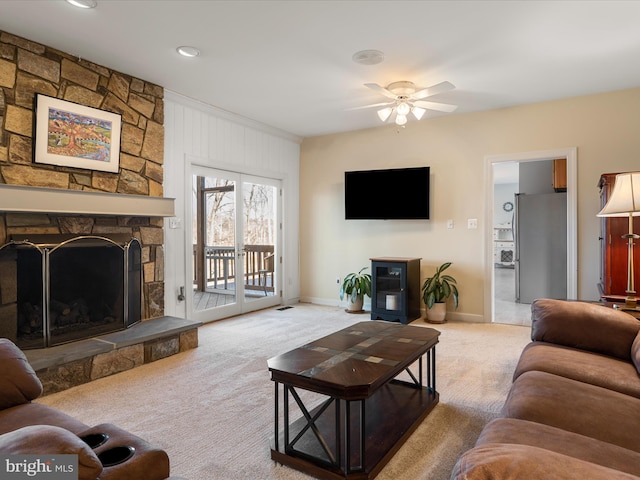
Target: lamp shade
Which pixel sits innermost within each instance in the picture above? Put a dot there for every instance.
(401, 119)
(403, 109)
(385, 113)
(625, 197)
(418, 112)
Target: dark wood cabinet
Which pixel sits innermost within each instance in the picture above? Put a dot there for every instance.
(395, 289)
(614, 248)
(560, 175)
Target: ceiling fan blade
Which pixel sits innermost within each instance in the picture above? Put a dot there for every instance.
(381, 90)
(440, 107)
(432, 90)
(383, 104)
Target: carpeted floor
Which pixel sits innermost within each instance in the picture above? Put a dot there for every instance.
(211, 408)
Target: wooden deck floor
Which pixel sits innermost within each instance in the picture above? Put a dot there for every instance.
(207, 300)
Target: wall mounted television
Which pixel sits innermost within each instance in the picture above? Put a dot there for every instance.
(392, 194)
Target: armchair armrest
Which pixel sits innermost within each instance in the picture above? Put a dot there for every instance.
(18, 382)
(585, 326)
(51, 440)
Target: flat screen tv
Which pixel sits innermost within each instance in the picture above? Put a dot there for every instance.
(393, 194)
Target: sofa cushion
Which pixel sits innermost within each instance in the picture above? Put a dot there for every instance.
(576, 407)
(601, 370)
(585, 326)
(498, 461)
(47, 439)
(18, 382)
(523, 432)
(635, 352)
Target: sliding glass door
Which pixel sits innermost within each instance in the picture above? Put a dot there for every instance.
(235, 264)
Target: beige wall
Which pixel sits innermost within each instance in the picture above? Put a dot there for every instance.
(603, 127)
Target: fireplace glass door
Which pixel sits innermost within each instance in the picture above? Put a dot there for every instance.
(58, 289)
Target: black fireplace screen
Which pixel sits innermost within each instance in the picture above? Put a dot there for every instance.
(56, 289)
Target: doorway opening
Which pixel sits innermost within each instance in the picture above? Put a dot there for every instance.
(527, 222)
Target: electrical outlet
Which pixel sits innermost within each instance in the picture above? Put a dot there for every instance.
(472, 223)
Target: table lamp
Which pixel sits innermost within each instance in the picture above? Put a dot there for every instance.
(625, 202)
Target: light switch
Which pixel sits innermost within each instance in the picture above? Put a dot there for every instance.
(174, 222)
(472, 223)
(449, 223)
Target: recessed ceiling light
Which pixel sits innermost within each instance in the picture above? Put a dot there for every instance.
(188, 51)
(84, 3)
(368, 57)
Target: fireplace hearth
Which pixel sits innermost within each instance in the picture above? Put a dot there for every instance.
(56, 289)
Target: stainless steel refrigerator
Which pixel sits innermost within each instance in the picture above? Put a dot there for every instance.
(540, 234)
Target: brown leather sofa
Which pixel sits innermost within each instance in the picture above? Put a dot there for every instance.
(573, 410)
(105, 452)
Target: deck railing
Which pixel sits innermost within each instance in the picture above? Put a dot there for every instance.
(220, 267)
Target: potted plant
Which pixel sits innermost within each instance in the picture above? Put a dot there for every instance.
(355, 286)
(436, 290)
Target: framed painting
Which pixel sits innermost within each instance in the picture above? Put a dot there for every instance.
(73, 135)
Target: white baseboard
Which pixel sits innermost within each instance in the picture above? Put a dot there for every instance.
(451, 315)
(328, 302)
(465, 317)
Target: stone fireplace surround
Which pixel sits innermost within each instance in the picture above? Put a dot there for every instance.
(72, 201)
(64, 366)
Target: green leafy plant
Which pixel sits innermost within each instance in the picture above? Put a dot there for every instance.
(355, 285)
(438, 288)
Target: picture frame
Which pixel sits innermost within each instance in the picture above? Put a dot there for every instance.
(73, 135)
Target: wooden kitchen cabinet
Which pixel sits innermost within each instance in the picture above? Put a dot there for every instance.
(560, 175)
(613, 248)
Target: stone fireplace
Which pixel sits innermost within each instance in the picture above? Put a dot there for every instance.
(63, 288)
(43, 199)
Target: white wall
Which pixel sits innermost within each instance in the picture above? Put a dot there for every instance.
(202, 134)
(502, 193)
(603, 127)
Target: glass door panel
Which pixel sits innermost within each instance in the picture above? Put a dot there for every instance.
(389, 287)
(214, 240)
(259, 203)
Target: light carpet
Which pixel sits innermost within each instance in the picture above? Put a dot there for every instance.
(211, 408)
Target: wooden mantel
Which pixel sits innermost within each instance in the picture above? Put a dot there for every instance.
(19, 198)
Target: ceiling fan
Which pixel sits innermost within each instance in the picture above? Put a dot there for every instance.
(407, 98)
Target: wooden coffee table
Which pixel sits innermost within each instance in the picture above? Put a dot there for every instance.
(359, 413)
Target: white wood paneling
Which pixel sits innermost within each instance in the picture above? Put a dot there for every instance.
(201, 134)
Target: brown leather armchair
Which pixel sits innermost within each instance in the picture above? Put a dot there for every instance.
(105, 452)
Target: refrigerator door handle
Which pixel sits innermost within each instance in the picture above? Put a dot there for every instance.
(516, 243)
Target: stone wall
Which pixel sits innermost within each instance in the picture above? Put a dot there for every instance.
(27, 68)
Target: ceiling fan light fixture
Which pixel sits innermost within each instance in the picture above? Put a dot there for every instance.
(418, 112)
(401, 119)
(405, 98)
(385, 113)
(403, 109)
